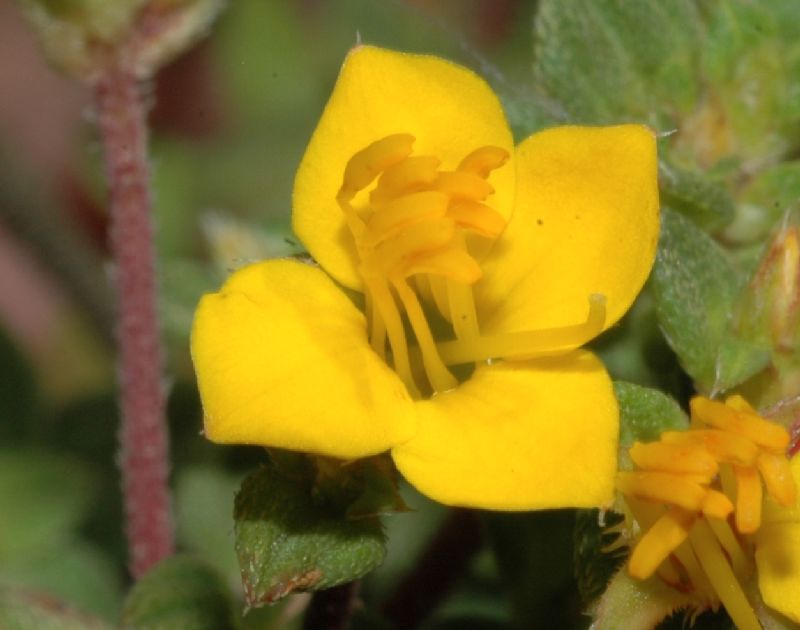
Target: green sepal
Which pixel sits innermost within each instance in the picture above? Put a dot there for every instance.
(696, 286)
(637, 604)
(80, 37)
(645, 413)
(180, 592)
(294, 534)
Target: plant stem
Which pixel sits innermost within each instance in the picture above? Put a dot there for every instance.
(332, 608)
(143, 432)
(441, 565)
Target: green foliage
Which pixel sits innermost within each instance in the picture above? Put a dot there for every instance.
(181, 592)
(637, 60)
(290, 538)
(25, 610)
(645, 413)
(695, 285)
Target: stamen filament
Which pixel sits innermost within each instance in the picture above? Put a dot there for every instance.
(384, 302)
(438, 375)
(726, 537)
(722, 578)
(462, 310)
(529, 343)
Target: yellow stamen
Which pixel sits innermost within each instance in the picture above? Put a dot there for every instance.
(716, 505)
(678, 458)
(748, 499)
(368, 163)
(411, 174)
(403, 212)
(730, 543)
(461, 185)
(529, 343)
(477, 217)
(722, 578)
(659, 541)
(440, 378)
(384, 303)
(462, 310)
(724, 447)
(663, 488)
(766, 434)
(483, 161)
(777, 475)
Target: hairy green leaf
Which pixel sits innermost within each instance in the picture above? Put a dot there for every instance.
(291, 538)
(181, 592)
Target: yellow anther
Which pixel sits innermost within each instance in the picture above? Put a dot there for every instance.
(777, 475)
(676, 458)
(365, 165)
(661, 487)
(716, 505)
(397, 251)
(659, 541)
(412, 174)
(477, 217)
(766, 434)
(403, 212)
(449, 262)
(723, 446)
(748, 499)
(483, 161)
(460, 185)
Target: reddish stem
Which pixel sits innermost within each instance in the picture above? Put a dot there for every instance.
(143, 433)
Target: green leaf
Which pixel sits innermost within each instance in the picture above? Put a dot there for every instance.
(645, 413)
(609, 61)
(181, 592)
(738, 360)
(705, 202)
(43, 497)
(26, 610)
(694, 284)
(290, 538)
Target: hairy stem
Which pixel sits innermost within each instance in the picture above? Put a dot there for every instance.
(143, 433)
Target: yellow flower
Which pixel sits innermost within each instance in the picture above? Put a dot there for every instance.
(696, 496)
(483, 268)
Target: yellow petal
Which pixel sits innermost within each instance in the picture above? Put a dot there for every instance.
(282, 360)
(778, 562)
(778, 554)
(585, 221)
(447, 108)
(517, 437)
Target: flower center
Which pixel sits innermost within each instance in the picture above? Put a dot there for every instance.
(686, 487)
(419, 233)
